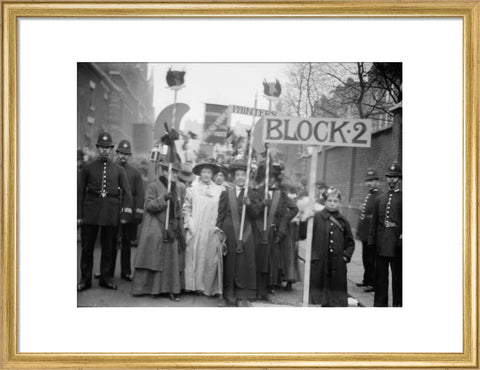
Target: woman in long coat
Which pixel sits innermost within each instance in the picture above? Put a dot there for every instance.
(157, 264)
(239, 272)
(270, 248)
(332, 249)
(203, 259)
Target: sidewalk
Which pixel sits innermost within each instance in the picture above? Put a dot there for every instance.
(122, 297)
(354, 275)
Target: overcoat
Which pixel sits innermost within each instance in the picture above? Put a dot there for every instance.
(202, 262)
(157, 265)
(270, 254)
(330, 244)
(239, 272)
(98, 196)
(289, 245)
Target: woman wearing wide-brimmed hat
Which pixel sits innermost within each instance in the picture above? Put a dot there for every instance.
(239, 262)
(203, 262)
(221, 178)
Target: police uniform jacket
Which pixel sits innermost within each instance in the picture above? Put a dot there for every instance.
(138, 192)
(366, 214)
(98, 197)
(386, 226)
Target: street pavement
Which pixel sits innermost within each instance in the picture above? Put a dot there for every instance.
(100, 297)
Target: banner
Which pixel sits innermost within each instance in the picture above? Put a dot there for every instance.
(217, 122)
(248, 111)
(318, 131)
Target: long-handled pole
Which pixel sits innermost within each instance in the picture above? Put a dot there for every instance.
(267, 174)
(169, 185)
(267, 180)
(308, 245)
(249, 164)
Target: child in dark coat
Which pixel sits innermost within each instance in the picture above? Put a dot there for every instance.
(332, 249)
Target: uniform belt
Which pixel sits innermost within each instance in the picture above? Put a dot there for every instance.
(390, 224)
(363, 217)
(102, 194)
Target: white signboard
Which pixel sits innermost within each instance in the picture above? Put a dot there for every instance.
(318, 131)
(238, 109)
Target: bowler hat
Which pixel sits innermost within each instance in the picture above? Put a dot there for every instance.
(185, 173)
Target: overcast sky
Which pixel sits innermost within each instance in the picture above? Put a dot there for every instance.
(216, 83)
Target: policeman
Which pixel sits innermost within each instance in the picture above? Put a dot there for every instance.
(363, 227)
(128, 229)
(386, 236)
(99, 207)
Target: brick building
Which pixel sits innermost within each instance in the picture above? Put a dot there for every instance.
(345, 167)
(117, 97)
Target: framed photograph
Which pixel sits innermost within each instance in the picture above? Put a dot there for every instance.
(229, 157)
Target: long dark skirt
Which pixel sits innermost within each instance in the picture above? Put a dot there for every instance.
(290, 248)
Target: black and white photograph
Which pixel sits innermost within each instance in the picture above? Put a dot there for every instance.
(239, 184)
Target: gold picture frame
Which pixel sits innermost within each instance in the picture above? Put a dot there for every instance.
(468, 11)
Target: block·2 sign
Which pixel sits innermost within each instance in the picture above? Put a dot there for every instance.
(318, 131)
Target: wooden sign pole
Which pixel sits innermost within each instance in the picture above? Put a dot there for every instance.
(169, 186)
(267, 173)
(308, 246)
(249, 164)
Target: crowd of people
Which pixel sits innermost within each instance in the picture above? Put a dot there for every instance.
(207, 229)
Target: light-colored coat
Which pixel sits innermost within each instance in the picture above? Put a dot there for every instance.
(202, 260)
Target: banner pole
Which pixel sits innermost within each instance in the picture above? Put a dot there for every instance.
(249, 164)
(308, 246)
(169, 185)
(267, 173)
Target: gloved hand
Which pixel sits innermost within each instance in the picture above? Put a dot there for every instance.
(266, 203)
(168, 196)
(169, 235)
(279, 236)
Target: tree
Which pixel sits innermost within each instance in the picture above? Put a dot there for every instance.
(388, 76)
(338, 89)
